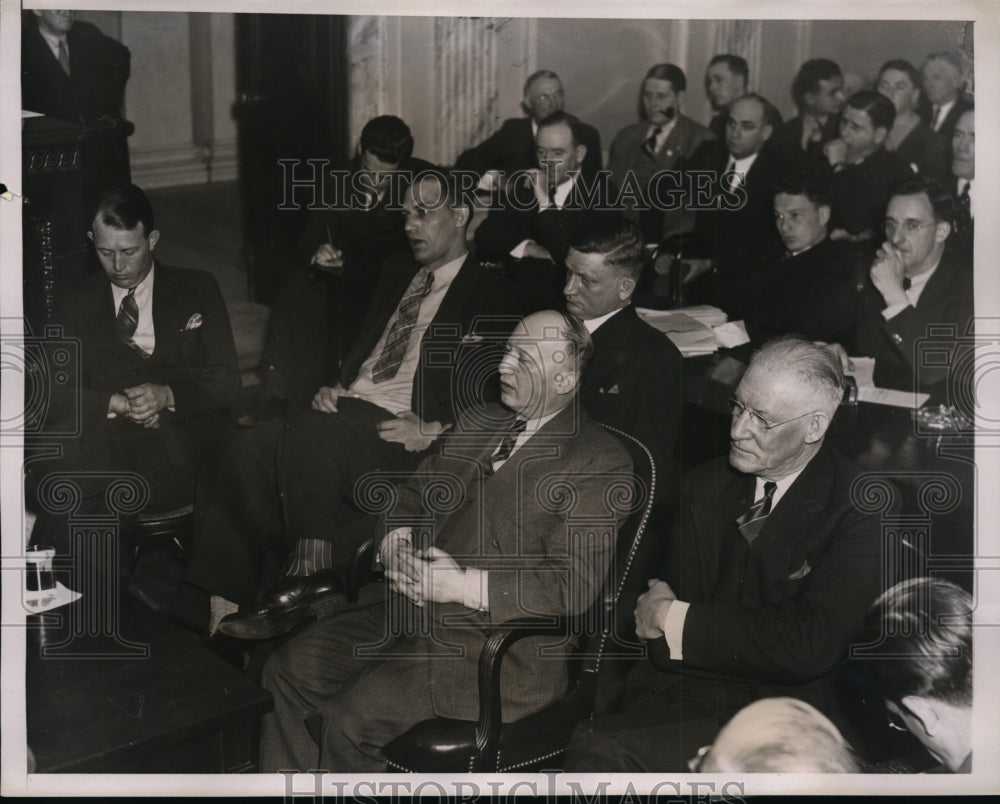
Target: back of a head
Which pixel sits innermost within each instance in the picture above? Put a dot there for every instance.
(809, 75)
(876, 105)
(816, 367)
(780, 735)
(388, 138)
(617, 239)
(920, 638)
(125, 206)
(668, 72)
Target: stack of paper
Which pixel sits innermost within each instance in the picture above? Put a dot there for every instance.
(699, 330)
(863, 373)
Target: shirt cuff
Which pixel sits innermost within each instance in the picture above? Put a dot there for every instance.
(518, 251)
(891, 312)
(476, 592)
(673, 628)
(393, 536)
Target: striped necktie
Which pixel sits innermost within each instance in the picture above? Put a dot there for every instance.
(649, 144)
(398, 339)
(128, 317)
(63, 56)
(506, 445)
(751, 522)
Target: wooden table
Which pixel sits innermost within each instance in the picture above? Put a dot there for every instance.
(172, 706)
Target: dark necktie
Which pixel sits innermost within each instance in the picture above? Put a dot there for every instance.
(906, 283)
(552, 196)
(752, 520)
(649, 145)
(506, 445)
(63, 57)
(935, 111)
(398, 338)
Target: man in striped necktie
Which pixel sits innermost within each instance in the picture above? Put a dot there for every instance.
(768, 573)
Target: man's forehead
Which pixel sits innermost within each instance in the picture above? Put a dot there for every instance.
(589, 264)
(747, 109)
(545, 86)
(909, 206)
(658, 85)
(425, 193)
(791, 202)
(559, 134)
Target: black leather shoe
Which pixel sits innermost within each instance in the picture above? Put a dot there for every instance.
(295, 601)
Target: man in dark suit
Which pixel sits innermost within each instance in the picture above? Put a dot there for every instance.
(944, 85)
(512, 148)
(158, 370)
(496, 551)
(726, 79)
(811, 287)
(859, 169)
(818, 92)
(330, 284)
(540, 213)
(72, 71)
(919, 279)
(634, 380)
(420, 356)
(737, 218)
(647, 159)
(963, 179)
(769, 571)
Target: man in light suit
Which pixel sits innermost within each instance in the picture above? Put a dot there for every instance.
(158, 365)
(497, 550)
(648, 158)
(512, 148)
(769, 571)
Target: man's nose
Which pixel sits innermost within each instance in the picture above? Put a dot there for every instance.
(739, 426)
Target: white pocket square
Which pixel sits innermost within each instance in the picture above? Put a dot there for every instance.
(801, 572)
(194, 322)
(612, 390)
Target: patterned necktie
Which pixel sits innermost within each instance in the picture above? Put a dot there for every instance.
(63, 56)
(649, 145)
(398, 338)
(128, 317)
(752, 521)
(506, 445)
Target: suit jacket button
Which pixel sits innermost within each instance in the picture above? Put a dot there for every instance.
(897, 339)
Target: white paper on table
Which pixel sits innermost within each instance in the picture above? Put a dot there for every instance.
(672, 321)
(731, 335)
(62, 597)
(887, 396)
(863, 372)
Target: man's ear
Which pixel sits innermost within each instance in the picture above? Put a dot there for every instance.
(880, 134)
(819, 422)
(626, 286)
(581, 152)
(90, 233)
(942, 231)
(767, 131)
(923, 709)
(154, 238)
(461, 215)
(824, 214)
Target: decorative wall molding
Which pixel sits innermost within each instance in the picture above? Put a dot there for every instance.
(368, 43)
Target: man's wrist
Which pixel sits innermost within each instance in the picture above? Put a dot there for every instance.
(475, 589)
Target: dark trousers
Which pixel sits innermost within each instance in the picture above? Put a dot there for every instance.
(282, 482)
(362, 701)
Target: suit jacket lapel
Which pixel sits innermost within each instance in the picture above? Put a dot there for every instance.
(611, 342)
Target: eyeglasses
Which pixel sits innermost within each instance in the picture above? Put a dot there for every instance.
(758, 422)
(895, 721)
(694, 764)
(909, 226)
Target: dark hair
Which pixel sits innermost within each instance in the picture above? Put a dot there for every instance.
(806, 184)
(920, 633)
(904, 67)
(737, 64)
(876, 105)
(668, 72)
(539, 74)
(942, 202)
(566, 119)
(388, 138)
(618, 240)
(772, 117)
(124, 207)
(809, 75)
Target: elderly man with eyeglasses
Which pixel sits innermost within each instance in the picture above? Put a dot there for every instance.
(769, 571)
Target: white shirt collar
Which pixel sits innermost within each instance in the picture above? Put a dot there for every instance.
(562, 192)
(594, 323)
(143, 291)
(447, 272)
(782, 486)
(53, 41)
(919, 282)
(665, 130)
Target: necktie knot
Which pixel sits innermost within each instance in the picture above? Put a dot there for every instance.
(649, 145)
(506, 445)
(751, 522)
(907, 283)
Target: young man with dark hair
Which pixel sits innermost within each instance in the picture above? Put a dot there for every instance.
(818, 92)
(726, 80)
(859, 168)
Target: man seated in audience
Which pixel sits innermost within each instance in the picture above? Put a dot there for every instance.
(810, 288)
(649, 158)
(540, 212)
(910, 137)
(769, 571)
(512, 148)
(446, 586)
(634, 381)
(726, 79)
(777, 735)
(944, 85)
(395, 396)
(963, 177)
(920, 278)
(818, 92)
(739, 219)
(157, 371)
(860, 169)
(921, 663)
(315, 319)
